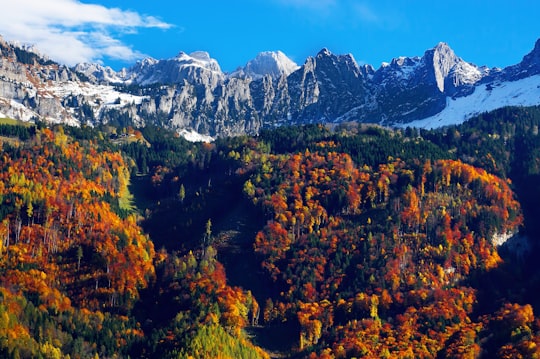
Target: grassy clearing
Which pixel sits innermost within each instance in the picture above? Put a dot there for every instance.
(127, 139)
(13, 122)
(126, 199)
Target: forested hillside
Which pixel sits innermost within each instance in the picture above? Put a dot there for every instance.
(354, 241)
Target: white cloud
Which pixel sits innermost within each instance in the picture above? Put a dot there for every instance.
(69, 31)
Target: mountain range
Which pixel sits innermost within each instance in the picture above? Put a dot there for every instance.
(191, 94)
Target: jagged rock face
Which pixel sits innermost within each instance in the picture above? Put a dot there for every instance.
(326, 87)
(529, 66)
(191, 92)
(23, 86)
(408, 90)
(222, 108)
(441, 60)
(271, 100)
(531, 61)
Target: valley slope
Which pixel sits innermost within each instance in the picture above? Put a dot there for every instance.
(306, 241)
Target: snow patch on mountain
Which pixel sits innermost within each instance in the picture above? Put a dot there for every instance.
(405, 67)
(485, 98)
(407, 70)
(464, 73)
(193, 136)
(16, 110)
(102, 93)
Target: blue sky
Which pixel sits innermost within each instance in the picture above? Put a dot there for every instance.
(118, 32)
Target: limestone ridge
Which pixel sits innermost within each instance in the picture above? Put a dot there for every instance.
(190, 91)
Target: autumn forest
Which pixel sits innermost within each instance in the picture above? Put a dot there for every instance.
(302, 242)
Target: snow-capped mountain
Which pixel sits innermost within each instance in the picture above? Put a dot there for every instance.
(191, 94)
(269, 63)
(195, 67)
(190, 67)
(417, 87)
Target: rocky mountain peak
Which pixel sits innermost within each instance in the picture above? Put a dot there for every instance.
(147, 61)
(442, 47)
(272, 63)
(201, 55)
(531, 61)
(324, 53)
(442, 58)
(98, 73)
(197, 58)
(341, 63)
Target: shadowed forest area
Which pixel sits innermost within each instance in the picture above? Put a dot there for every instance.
(318, 242)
